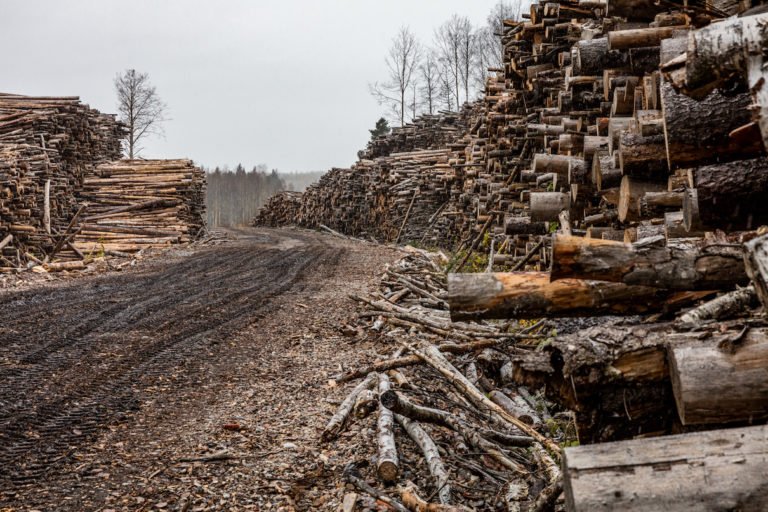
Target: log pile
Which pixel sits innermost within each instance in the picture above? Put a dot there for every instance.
(139, 204)
(47, 147)
(616, 166)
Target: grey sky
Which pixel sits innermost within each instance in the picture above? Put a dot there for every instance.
(262, 81)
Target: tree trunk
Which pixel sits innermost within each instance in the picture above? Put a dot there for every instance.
(689, 267)
(635, 38)
(715, 470)
(525, 295)
(739, 393)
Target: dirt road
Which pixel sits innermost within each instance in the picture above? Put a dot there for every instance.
(110, 385)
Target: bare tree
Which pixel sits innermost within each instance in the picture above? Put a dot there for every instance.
(490, 53)
(402, 63)
(429, 72)
(140, 108)
(455, 43)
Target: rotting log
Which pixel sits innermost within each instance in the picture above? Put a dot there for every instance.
(719, 383)
(714, 470)
(525, 295)
(689, 266)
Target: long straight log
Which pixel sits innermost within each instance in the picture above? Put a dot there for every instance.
(648, 263)
(525, 295)
(715, 470)
(431, 455)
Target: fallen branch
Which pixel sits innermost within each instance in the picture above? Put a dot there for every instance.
(336, 424)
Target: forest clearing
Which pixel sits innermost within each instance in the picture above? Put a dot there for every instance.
(543, 291)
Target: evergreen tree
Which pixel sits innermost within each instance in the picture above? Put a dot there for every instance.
(382, 128)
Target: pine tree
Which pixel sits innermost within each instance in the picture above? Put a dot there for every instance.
(382, 128)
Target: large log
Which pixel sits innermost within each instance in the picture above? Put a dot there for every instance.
(739, 393)
(707, 471)
(731, 196)
(698, 132)
(532, 295)
(546, 206)
(648, 263)
(642, 157)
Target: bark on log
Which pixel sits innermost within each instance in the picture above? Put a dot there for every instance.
(546, 206)
(715, 470)
(731, 196)
(647, 263)
(725, 306)
(431, 455)
(635, 38)
(698, 132)
(339, 419)
(721, 384)
(756, 263)
(388, 465)
(525, 295)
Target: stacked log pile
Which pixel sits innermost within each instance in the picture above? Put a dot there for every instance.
(47, 147)
(617, 166)
(139, 204)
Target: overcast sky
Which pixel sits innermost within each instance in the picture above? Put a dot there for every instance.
(280, 82)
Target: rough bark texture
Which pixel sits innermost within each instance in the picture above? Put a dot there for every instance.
(431, 455)
(708, 471)
(721, 384)
(523, 295)
(647, 263)
(756, 263)
(388, 465)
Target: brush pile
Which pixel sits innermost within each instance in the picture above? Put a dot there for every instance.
(450, 425)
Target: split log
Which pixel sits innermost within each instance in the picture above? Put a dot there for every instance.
(522, 295)
(387, 466)
(715, 470)
(739, 393)
(647, 263)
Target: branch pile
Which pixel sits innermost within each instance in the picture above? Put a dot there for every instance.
(452, 431)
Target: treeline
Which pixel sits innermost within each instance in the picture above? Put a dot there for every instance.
(234, 197)
(441, 74)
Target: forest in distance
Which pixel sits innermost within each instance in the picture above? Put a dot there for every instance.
(234, 196)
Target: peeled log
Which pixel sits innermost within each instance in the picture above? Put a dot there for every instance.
(648, 263)
(731, 196)
(739, 393)
(635, 38)
(531, 295)
(707, 471)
